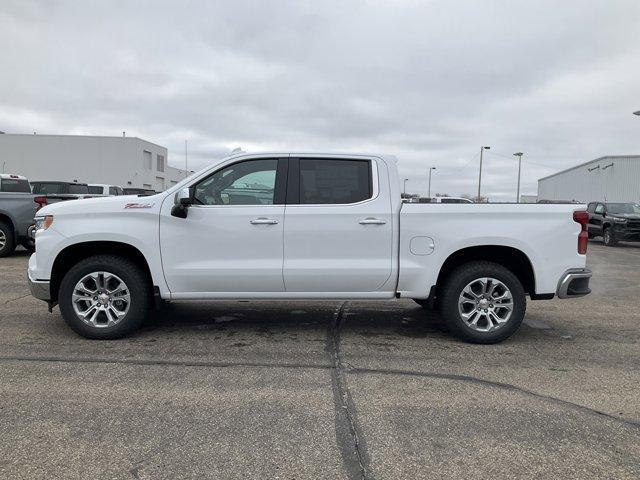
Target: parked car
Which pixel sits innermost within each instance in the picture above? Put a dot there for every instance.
(614, 221)
(306, 226)
(55, 191)
(17, 212)
(14, 183)
(138, 191)
(104, 190)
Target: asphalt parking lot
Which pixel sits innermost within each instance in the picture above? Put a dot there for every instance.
(325, 390)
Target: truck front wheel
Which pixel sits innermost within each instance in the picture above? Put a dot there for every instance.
(482, 302)
(608, 238)
(105, 297)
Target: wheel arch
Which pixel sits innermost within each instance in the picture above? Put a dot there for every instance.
(511, 258)
(77, 252)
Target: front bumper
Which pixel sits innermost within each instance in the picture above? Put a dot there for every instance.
(574, 283)
(40, 289)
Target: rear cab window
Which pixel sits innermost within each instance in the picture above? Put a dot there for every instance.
(95, 190)
(13, 185)
(77, 189)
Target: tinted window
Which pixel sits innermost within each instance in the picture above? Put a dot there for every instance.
(451, 200)
(334, 181)
(14, 185)
(623, 208)
(95, 190)
(78, 189)
(47, 188)
(599, 209)
(245, 183)
(591, 208)
(113, 191)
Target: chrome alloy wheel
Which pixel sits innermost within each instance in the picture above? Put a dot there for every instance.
(101, 299)
(485, 304)
(3, 239)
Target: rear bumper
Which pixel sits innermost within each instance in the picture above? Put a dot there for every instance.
(574, 283)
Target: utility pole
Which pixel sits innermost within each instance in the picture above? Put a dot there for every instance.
(186, 162)
(480, 173)
(519, 155)
(430, 170)
(404, 190)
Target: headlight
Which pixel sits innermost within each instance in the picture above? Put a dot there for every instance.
(619, 220)
(42, 223)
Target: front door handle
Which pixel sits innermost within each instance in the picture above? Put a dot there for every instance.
(263, 221)
(371, 221)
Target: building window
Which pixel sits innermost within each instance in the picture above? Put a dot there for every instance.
(160, 162)
(146, 159)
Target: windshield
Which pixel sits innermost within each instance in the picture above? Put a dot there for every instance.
(623, 208)
(47, 188)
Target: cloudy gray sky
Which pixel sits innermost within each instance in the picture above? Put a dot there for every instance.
(428, 81)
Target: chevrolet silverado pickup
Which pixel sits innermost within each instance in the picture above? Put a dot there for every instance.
(304, 227)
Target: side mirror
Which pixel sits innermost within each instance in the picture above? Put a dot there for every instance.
(181, 207)
(184, 197)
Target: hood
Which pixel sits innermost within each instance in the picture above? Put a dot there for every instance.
(102, 204)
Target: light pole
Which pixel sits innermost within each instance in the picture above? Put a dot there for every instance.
(430, 170)
(519, 155)
(404, 190)
(480, 173)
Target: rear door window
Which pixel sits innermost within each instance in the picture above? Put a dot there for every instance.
(328, 181)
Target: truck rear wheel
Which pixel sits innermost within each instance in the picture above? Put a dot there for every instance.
(7, 240)
(105, 297)
(482, 302)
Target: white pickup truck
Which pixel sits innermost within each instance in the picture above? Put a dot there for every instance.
(304, 227)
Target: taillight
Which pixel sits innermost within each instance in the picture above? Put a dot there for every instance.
(582, 217)
(41, 201)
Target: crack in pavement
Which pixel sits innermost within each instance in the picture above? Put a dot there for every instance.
(335, 361)
(17, 298)
(349, 435)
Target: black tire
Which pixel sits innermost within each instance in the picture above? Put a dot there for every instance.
(608, 237)
(9, 241)
(424, 303)
(455, 283)
(134, 277)
(29, 245)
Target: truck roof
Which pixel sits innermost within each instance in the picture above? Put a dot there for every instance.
(12, 176)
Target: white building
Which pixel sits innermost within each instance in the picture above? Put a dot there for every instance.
(610, 178)
(123, 161)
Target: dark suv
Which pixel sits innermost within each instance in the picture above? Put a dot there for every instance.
(614, 221)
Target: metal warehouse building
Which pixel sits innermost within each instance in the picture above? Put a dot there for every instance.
(123, 161)
(610, 178)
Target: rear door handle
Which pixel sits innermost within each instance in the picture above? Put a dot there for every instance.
(371, 221)
(263, 221)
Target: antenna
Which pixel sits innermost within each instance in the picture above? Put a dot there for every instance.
(186, 161)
